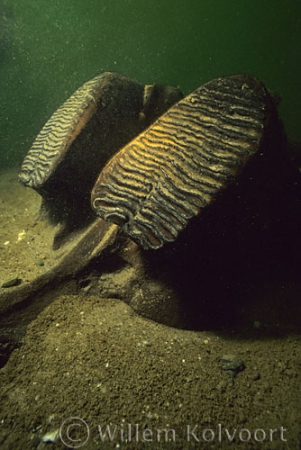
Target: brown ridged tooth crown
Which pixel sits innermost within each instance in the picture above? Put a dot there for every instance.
(177, 166)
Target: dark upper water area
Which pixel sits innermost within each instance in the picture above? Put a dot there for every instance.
(49, 48)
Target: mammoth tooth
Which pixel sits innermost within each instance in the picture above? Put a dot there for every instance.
(171, 171)
(97, 120)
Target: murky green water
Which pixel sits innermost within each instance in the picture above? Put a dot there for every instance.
(49, 48)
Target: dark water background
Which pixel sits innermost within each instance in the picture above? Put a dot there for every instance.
(49, 48)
